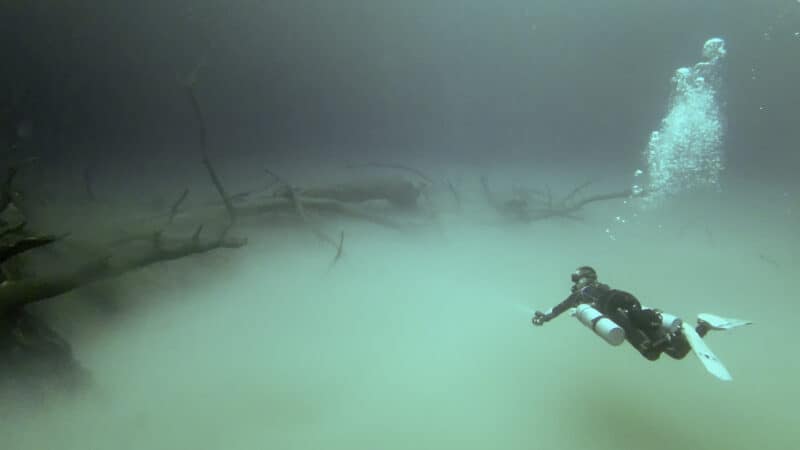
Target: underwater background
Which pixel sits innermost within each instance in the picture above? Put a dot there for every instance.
(417, 337)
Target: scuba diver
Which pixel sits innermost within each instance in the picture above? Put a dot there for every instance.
(617, 315)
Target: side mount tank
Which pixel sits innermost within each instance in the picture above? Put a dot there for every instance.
(600, 324)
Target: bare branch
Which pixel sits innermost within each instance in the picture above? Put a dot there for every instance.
(13, 229)
(206, 161)
(8, 251)
(14, 294)
(174, 210)
(339, 249)
(293, 197)
(519, 208)
(574, 192)
(217, 184)
(397, 191)
(455, 194)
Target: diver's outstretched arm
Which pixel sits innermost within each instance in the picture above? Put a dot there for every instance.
(539, 318)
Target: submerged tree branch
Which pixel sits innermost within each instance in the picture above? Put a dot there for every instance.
(174, 210)
(8, 251)
(206, 160)
(520, 208)
(17, 293)
(291, 194)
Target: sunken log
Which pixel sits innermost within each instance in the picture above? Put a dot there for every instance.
(397, 191)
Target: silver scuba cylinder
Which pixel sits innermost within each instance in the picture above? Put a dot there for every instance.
(600, 324)
(670, 323)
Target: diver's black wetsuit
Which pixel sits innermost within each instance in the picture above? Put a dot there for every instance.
(642, 326)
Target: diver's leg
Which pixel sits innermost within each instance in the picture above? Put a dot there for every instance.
(678, 346)
(650, 353)
(648, 325)
(647, 320)
(635, 336)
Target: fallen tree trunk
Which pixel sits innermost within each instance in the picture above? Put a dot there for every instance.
(397, 191)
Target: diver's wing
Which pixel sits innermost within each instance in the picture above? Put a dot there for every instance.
(712, 364)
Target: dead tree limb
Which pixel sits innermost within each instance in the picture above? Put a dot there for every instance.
(528, 210)
(568, 210)
(264, 206)
(9, 250)
(13, 229)
(627, 193)
(17, 293)
(397, 191)
(456, 196)
(174, 210)
(218, 185)
(574, 192)
(339, 249)
(206, 160)
(291, 194)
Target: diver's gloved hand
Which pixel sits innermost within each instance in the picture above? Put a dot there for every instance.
(538, 318)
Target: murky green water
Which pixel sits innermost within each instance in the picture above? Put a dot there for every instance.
(423, 340)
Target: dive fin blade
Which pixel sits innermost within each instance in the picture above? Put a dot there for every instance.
(709, 360)
(721, 323)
